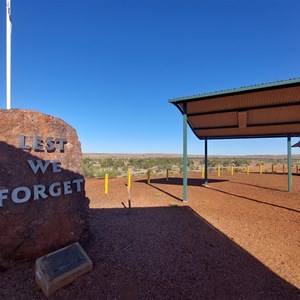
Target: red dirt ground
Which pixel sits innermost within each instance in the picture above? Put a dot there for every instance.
(238, 238)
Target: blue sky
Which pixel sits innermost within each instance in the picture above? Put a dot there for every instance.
(109, 67)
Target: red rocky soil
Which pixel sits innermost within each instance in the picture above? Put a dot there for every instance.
(237, 238)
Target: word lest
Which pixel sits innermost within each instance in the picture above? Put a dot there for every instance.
(39, 145)
(22, 194)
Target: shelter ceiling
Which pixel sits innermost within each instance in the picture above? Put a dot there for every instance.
(269, 110)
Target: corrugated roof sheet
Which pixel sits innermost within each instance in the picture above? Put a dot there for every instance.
(270, 109)
(238, 90)
(274, 84)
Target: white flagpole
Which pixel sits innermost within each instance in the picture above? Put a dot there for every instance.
(8, 55)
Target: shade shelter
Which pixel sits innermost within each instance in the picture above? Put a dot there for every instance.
(297, 145)
(260, 111)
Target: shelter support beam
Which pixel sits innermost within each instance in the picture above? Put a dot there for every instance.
(289, 150)
(184, 114)
(205, 163)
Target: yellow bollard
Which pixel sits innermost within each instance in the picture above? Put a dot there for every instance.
(203, 170)
(219, 171)
(260, 169)
(148, 180)
(106, 184)
(129, 180)
(231, 170)
(247, 169)
(283, 170)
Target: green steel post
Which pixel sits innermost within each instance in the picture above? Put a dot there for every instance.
(184, 152)
(205, 162)
(289, 163)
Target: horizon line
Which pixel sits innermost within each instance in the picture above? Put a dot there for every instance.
(176, 154)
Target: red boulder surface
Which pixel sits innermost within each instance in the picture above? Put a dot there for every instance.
(42, 197)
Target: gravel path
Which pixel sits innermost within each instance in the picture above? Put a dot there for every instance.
(238, 238)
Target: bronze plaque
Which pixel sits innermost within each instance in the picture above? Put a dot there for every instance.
(62, 262)
(61, 267)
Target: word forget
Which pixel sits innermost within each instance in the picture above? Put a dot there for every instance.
(23, 194)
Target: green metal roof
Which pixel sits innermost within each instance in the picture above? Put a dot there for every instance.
(241, 90)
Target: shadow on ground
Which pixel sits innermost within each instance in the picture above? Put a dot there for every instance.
(173, 253)
(179, 181)
(258, 186)
(254, 200)
(176, 181)
(160, 253)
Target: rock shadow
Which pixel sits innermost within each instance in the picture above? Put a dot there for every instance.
(162, 253)
(40, 212)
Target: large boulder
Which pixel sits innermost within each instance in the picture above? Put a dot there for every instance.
(43, 205)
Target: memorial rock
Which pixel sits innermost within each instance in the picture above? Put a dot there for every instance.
(43, 205)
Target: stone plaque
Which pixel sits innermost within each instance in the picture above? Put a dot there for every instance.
(61, 267)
